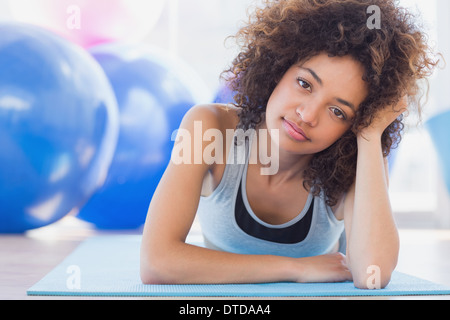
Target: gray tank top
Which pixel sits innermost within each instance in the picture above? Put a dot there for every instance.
(224, 228)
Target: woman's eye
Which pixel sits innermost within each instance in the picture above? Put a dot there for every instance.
(305, 85)
(338, 113)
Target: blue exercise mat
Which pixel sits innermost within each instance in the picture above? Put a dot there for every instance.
(108, 266)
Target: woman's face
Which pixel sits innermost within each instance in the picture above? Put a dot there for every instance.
(315, 103)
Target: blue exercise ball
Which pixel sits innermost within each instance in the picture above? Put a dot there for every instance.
(58, 127)
(439, 129)
(154, 92)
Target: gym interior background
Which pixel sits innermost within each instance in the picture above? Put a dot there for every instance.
(195, 32)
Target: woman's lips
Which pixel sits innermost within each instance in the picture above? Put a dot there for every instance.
(294, 131)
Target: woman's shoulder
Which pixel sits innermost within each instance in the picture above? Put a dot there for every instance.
(218, 116)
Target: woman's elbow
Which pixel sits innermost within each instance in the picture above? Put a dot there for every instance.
(369, 283)
(373, 278)
(151, 276)
(154, 269)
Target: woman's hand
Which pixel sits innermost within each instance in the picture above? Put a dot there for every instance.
(324, 269)
(384, 118)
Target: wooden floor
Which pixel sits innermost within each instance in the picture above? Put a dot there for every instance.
(24, 260)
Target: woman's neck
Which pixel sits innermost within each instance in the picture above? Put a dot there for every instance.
(289, 166)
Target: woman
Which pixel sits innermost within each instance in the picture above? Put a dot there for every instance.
(324, 93)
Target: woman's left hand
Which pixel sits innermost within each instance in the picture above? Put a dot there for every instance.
(385, 118)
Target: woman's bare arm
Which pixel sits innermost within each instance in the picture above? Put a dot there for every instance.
(373, 241)
(167, 259)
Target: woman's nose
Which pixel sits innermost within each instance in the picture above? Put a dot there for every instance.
(309, 114)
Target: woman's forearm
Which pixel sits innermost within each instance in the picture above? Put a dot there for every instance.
(181, 263)
(187, 264)
(374, 240)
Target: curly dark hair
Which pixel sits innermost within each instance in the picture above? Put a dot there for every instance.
(285, 32)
